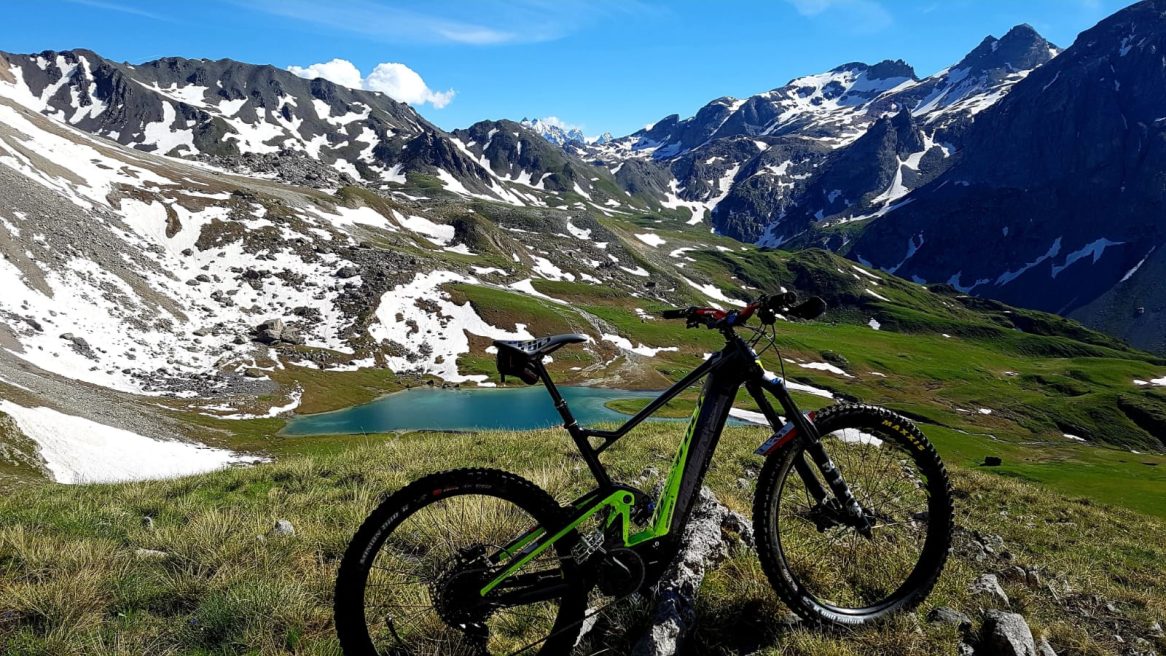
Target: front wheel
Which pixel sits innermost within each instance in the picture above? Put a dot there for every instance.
(831, 569)
(411, 581)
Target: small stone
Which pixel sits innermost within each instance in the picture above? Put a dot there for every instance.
(1006, 634)
(283, 527)
(951, 616)
(743, 483)
(347, 272)
(150, 554)
(148, 523)
(1032, 578)
(965, 649)
(1014, 573)
(1109, 607)
(1043, 648)
(202, 277)
(988, 587)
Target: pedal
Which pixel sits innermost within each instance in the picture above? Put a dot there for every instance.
(587, 546)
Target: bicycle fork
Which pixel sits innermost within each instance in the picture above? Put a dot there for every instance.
(812, 443)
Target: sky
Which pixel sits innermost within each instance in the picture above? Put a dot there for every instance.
(601, 65)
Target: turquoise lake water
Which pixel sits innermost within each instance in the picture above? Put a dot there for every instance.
(426, 408)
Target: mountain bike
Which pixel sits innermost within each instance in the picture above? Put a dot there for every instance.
(852, 516)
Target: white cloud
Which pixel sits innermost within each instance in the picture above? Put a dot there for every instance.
(861, 15)
(402, 83)
(395, 80)
(340, 71)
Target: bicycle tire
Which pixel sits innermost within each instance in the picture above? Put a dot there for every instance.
(940, 522)
(349, 603)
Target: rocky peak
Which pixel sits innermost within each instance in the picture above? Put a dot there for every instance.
(1021, 49)
(888, 69)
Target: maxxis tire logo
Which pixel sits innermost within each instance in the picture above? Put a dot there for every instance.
(907, 434)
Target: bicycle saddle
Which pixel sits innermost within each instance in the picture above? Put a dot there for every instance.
(517, 358)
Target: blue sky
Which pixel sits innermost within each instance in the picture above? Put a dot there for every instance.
(600, 64)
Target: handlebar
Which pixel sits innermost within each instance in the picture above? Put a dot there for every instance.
(766, 307)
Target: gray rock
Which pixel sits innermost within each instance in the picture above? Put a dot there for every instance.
(964, 649)
(705, 545)
(270, 331)
(951, 616)
(1014, 573)
(150, 554)
(148, 523)
(284, 528)
(987, 587)
(1006, 634)
(347, 272)
(1043, 648)
(292, 336)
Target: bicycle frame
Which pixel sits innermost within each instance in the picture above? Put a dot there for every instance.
(726, 371)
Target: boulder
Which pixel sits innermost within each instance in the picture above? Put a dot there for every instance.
(1006, 634)
(270, 331)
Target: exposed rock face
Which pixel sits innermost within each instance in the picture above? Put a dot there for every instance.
(705, 545)
(1061, 182)
(1005, 634)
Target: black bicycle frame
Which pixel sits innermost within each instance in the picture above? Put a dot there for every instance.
(725, 372)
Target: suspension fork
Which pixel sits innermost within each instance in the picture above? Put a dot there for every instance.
(812, 444)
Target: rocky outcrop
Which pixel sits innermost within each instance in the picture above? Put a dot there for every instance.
(712, 532)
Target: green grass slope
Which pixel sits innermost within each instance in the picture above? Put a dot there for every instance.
(73, 581)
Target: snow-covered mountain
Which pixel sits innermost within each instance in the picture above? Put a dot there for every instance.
(260, 120)
(555, 131)
(769, 167)
(138, 285)
(1056, 201)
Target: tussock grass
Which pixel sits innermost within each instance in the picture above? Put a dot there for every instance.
(72, 579)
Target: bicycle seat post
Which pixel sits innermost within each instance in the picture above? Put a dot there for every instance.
(590, 456)
(560, 403)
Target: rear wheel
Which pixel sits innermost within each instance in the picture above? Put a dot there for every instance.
(820, 563)
(410, 581)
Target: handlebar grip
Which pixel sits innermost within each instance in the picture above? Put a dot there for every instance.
(674, 314)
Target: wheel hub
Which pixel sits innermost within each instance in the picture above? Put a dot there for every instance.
(456, 592)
